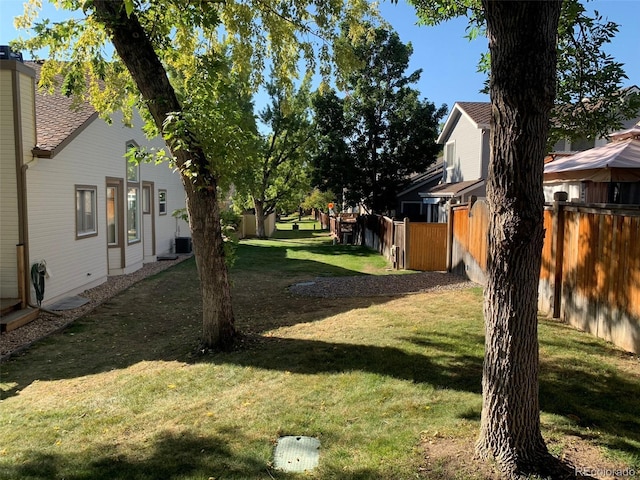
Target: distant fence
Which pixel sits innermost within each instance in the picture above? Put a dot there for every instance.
(407, 245)
(247, 226)
(427, 245)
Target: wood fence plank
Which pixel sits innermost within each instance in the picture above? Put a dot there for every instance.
(428, 246)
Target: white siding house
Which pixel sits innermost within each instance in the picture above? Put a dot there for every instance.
(465, 138)
(69, 196)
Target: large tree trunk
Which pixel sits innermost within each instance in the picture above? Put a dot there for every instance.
(522, 43)
(137, 53)
(259, 207)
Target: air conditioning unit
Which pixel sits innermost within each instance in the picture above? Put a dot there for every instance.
(183, 245)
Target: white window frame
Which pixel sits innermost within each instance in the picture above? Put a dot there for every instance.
(449, 160)
(162, 202)
(133, 207)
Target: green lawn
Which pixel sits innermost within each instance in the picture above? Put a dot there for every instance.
(122, 395)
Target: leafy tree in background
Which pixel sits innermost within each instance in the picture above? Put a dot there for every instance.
(590, 102)
(381, 132)
(332, 164)
(278, 173)
(318, 200)
(160, 48)
(525, 75)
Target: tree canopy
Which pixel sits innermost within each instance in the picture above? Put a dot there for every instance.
(380, 132)
(189, 67)
(278, 170)
(589, 99)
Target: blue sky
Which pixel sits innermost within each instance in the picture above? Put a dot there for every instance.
(448, 60)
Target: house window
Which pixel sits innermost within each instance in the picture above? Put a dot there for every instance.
(162, 202)
(112, 215)
(86, 211)
(146, 199)
(133, 169)
(133, 214)
(449, 162)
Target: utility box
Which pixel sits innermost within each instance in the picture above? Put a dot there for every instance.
(183, 245)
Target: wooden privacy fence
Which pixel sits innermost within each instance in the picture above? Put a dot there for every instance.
(590, 276)
(467, 252)
(427, 246)
(408, 245)
(590, 273)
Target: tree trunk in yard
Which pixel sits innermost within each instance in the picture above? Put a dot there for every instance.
(259, 207)
(134, 48)
(522, 43)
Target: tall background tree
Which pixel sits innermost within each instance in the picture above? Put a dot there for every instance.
(278, 171)
(152, 38)
(381, 132)
(523, 44)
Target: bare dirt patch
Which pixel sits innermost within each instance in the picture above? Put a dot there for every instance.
(447, 458)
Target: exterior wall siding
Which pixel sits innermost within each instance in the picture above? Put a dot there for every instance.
(469, 152)
(573, 189)
(95, 154)
(14, 77)
(167, 226)
(8, 190)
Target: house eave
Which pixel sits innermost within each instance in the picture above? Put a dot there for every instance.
(456, 112)
(443, 193)
(41, 153)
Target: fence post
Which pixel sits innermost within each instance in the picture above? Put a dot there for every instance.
(406, 246)
(449, 235)
(557, 249)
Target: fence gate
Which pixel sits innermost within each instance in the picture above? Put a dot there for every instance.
(427, 247)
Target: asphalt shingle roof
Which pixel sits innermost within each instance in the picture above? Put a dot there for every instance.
(57, 119)
(480, 112)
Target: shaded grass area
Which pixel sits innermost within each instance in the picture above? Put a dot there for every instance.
(121, 394)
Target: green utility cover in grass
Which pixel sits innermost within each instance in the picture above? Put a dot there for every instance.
(297, 454)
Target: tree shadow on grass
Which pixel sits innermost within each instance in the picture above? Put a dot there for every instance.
(172, 456)
(159, 319)
(599, 406)
(310, 357)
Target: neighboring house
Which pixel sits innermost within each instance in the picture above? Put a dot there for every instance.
(465, 137)
(587, 190)
(605, 174)
(409, 202)
(69, 198)
(568, 147)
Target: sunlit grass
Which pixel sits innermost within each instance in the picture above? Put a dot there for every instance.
(121, 394)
